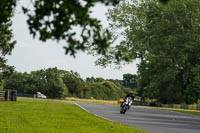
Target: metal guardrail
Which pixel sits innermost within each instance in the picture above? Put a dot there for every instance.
(2, 95)
(182, 106)
(177, 106)
(8, 95)
(25, 95)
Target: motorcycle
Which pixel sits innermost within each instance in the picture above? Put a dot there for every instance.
(125, 105)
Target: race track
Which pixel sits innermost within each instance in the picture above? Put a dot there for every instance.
(153, 120)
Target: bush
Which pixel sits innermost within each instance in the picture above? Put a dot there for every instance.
(106, 90)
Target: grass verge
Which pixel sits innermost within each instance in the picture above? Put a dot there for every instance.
(93, 101)
(43, 116)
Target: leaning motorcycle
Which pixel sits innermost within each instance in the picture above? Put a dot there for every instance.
(125, 105)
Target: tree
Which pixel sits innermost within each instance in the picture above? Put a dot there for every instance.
(57, 19)
(112, 91)
(19, 82)
(92, 79)
(130, 81)
(6, 42)
(55, 85)
(165, 39)
(5, 71)
(106, 90)
(74, 83)
(48, 82)
(117, 82)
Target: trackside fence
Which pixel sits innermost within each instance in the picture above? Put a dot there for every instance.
(8, 95)
(177, 106)
(182, 106)
(2, 95)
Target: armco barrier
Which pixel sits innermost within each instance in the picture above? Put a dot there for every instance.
(192, 107)
(177, 106)
(25, 95)
(170, 106)
(2, 95)
(141, 103)
(8, 95)
(165, 105)
(182, 106)
(198, 107)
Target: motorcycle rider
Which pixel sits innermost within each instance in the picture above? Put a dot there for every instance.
(131, 95)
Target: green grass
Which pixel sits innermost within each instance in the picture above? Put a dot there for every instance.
(93, 101)
(43, 116)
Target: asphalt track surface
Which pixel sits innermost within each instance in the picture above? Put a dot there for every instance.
(153, 120)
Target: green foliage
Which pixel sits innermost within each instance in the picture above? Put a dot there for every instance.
(47, 81)
(52, 82)
(165, 39)
(127, 90)
(6, 42)
(112, 91)
(17, 81)
(2, 84)
(106, 90)
(58, 19)
(92, 79)
(130, 81)
(164, 1)
(7, 8)
(99, 86)
(117, 82)
(75, 84)
(56, 83)
(5, 71)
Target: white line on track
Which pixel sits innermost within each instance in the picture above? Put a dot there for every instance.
(92, 113)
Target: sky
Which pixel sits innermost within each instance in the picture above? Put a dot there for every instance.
(31, 54)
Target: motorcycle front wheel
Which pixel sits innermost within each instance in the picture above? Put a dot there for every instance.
(123, 110)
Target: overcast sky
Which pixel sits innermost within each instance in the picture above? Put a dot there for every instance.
(30, 54)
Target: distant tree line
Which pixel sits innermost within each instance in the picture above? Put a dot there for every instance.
(57, 83)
